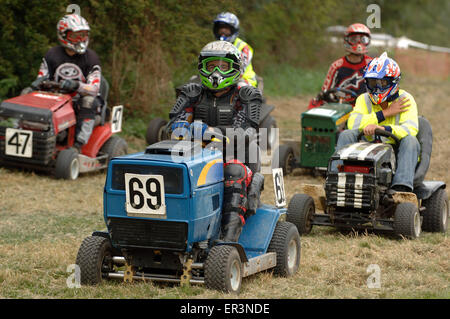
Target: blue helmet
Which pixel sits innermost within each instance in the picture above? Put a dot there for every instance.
(226, 19)
(382, 77)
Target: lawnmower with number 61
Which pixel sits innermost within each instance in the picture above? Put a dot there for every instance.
(37, 131)
(163, 208)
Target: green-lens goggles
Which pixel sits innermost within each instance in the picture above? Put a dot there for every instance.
(222, 65)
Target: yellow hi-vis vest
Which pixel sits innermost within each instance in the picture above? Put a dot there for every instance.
(401, 125)
(248, 75)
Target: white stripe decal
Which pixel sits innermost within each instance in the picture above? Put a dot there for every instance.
(369, 149)
(341, 186)
(349, 150)
(359, 181)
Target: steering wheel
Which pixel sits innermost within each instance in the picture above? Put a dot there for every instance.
(52, 86)
(381, 132)
(337, 95)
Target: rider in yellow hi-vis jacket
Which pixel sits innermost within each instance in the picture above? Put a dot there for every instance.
(226, 28)
(386, 107)
(366, 114)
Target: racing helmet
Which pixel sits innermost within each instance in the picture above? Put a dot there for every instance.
(219, 65)
(73, 33)
(227, 19)
(357, 38)
(382, 77)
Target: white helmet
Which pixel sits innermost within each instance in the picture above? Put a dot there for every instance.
(70, 33)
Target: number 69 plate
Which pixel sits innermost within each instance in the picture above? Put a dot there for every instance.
(18, 142)
(145, 195)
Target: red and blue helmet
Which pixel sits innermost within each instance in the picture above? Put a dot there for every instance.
(229, 20)
(382, 77)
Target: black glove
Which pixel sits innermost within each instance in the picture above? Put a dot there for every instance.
(70, 85)
(36, 85)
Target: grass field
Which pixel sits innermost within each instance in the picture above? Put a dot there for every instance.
(44, 220)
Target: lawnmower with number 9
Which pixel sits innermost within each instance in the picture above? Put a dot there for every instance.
(37, 131)
(163, 209)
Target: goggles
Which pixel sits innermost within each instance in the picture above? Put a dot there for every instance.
(379, 83)
(358, 38)
(79, 36)
(222, 65)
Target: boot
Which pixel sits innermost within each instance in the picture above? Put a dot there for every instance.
(232, 224)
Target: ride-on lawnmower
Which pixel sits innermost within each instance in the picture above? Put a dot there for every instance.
(320, 130)
(358, 195)
(162, 209)
(37, 131)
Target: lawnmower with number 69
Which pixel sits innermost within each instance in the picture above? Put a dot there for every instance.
(163, 209)
(37, 131)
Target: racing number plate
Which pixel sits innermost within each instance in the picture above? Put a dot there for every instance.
(278, 185)
(19, 142)
(116, 119)
(145, 195)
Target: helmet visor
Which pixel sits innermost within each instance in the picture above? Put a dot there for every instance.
(381, 84)
(212, 64)
(79, 36)
(358, 38)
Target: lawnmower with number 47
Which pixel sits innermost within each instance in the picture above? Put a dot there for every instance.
(37, 131)
(357, 193)
(163, 208)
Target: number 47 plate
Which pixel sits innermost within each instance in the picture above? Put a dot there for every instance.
(18, 142)
(278, 185)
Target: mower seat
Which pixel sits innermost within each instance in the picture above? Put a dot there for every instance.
(425, 138)
(102, 97)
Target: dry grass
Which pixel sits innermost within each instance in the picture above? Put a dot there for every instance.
(43, 221)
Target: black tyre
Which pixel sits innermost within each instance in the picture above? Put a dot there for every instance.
(286, 244)
(155, 131)
(270, 125)
(114, 146)
(284, 158)
(407, 221)
(435, 217)
(300, 212)
(67, 164)
(94, 259)
(223, 269)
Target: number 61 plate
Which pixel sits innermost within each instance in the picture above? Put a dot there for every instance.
(145, 195)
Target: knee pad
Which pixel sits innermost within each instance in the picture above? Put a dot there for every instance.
(237, 178)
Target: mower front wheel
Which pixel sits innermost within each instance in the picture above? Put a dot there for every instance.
(94, 259)
(300, 212)
(67, 164)
(407, 221)
(223, 269)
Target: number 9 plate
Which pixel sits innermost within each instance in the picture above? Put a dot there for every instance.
(145, 195)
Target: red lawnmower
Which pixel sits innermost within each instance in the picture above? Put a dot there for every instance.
(37, 131)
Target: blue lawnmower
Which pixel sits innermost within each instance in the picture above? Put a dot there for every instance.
(162, 209)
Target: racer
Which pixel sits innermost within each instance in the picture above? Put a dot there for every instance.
(219, 102)
(389, 108)
(347, 72)
(78, 70)
(226, 28)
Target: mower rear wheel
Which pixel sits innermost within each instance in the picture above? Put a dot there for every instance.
(300, 212)
(114, 146)
(223, 269)
(94, 259)
(286, 244)
(67, 164)
(286, 159)
(435, 218)
(155, 131)
(407, 221)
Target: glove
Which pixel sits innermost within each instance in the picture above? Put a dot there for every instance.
(36, 84)
(198, 129)
(69, 85)
(179, 129)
